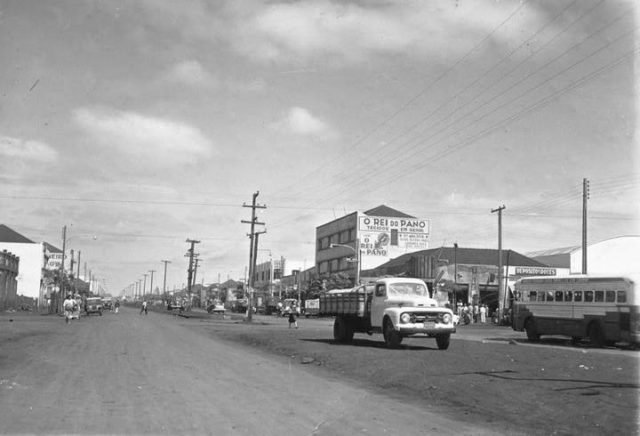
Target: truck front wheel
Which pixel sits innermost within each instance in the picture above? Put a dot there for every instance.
(391, 337)
(443, 341)
(342, 330)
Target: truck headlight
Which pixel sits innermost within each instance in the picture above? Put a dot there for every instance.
(405, 318)
(446, 318)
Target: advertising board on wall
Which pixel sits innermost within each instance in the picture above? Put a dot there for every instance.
(54, 260)
(383, 238)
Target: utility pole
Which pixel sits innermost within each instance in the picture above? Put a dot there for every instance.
(585, 197)
(253, 222)
(61, 284)
(144, 285)
(151, 285)
(164, 282)
(72, 261)
(501, 290)
(190, 269)
(196, 262)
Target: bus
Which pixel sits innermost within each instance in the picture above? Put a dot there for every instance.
(603, 309)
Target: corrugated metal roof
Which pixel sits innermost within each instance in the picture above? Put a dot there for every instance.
(10, 235)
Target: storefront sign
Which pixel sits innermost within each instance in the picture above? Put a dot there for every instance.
(534, 271)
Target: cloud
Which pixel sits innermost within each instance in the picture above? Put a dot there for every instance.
(337, 33)
(158, 140)
(299, 121)
(191, 73)
(25, 149)
(352, 32)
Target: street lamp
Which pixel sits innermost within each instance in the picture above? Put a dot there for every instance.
(356, 261)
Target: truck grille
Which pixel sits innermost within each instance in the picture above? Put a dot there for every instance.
(425, 317)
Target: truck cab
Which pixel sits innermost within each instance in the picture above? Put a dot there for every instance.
(402, 307)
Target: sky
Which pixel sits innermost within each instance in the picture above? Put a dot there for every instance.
(141, 124)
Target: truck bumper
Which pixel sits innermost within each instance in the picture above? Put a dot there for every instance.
(435, 329)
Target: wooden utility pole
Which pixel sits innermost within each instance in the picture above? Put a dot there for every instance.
(190, 269)
(144, 285)
(252, 235)
(501, 290)
(585, 197)
(164, 282)
(151, 286)
(61, 284)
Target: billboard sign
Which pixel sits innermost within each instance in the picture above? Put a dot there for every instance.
(389, 237)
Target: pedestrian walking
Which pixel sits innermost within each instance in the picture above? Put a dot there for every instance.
(483, 314)
(116, 306)
(68, 305)
(143, 308)
(292, 319)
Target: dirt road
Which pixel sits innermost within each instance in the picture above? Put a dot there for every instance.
(136, 374)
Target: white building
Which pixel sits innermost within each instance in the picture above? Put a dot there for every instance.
(615, 256)
(32, 260)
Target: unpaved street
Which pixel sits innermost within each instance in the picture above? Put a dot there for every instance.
(132, 374)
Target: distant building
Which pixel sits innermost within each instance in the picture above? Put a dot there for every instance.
(616, 256)
(378, 234)
(9, 267)
(32, 260)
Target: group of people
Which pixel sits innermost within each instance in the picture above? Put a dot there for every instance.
(475, 312)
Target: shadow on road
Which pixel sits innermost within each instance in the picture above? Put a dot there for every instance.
(369, 343)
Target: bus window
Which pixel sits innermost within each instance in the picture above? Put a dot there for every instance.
(588, 296)
(568, 296)
(577, 296)
(610, 297)
(541, 296)
(559, 296)
(550, 295)
(533, 295)
(622, 297)
(599, 297)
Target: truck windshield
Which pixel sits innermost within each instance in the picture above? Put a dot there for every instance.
(410, 289)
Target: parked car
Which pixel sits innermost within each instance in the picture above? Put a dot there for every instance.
(216, 308)
(93, 305)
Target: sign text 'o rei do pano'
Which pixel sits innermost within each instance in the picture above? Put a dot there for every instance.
(379, 235)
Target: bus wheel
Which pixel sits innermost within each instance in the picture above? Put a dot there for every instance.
(596, 335)
(532, 331)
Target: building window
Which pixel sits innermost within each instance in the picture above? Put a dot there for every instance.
(344, 236)
(333, 267)
(352, 235)
(323, 267)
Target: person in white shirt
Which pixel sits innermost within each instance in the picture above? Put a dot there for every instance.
(68, 306)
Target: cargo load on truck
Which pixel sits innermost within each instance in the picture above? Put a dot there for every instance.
(395, 307)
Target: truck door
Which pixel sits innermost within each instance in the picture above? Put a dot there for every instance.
(378, 305)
